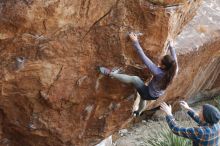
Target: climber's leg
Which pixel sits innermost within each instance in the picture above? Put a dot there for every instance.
(144, 96)
(136, 103)
(143, 92)
(135, 80)
(142, 106)
(104, 70)
(139, 106)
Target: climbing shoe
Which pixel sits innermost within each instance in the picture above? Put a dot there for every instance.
(104, 70)
(135, 113)
(116, 70)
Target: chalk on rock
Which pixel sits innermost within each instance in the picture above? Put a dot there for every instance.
(32, 126)
(123, 132)
(81, 80)
(106, 142)
(5, 141)
(44, 95)
(136, 33)
(20, 62)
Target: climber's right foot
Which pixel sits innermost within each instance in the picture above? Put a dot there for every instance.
(104, 70)
(136, 113)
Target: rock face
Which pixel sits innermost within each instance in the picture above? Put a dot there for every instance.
(51, 93)
(199, 55)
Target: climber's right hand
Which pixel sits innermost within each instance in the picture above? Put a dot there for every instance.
(170, 43)
(133, 37)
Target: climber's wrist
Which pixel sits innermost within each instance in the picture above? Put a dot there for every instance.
(135, 41)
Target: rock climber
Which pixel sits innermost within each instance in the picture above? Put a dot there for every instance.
(207, 133)
(162, 75)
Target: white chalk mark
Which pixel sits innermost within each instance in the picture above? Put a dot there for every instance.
(97, 82)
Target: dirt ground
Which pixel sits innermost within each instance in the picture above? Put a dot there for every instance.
(140, 133)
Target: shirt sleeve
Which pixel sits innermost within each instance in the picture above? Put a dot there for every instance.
(173, 54)
(191, 133)
(194, 116)
(152, 67)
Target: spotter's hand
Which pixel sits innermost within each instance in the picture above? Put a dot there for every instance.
(185, 105)
(166, 108)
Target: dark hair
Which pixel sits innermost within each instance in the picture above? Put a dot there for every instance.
(170, 70)
(211, 114)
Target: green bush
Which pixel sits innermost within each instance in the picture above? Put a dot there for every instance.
(217, 101)
(157, 1)
(167, 138)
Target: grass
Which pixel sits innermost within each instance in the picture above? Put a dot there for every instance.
(157, 1)
(165, 3)
(167, 138)
(217, 101)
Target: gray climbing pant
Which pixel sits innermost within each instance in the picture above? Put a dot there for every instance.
(138, 84)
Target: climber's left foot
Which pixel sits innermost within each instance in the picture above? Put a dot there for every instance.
(104, 70)
(135, 113)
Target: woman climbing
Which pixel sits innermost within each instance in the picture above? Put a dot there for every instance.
(162, 75)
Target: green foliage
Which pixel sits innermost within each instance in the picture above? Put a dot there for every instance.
(157, 1)
(167, 138)
(217, 101)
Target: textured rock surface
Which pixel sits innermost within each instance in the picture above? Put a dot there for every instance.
(55, 96)
(198, 47)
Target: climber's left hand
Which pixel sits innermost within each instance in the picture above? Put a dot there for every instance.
(170, 43)
(133, 37)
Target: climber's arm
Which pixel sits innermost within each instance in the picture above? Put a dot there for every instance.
(173, 54)
(153, 68)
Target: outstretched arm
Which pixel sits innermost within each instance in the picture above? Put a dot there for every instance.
(173, 52)
(191, 112)
(194, 116)
(191, 133)
(153, 68)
